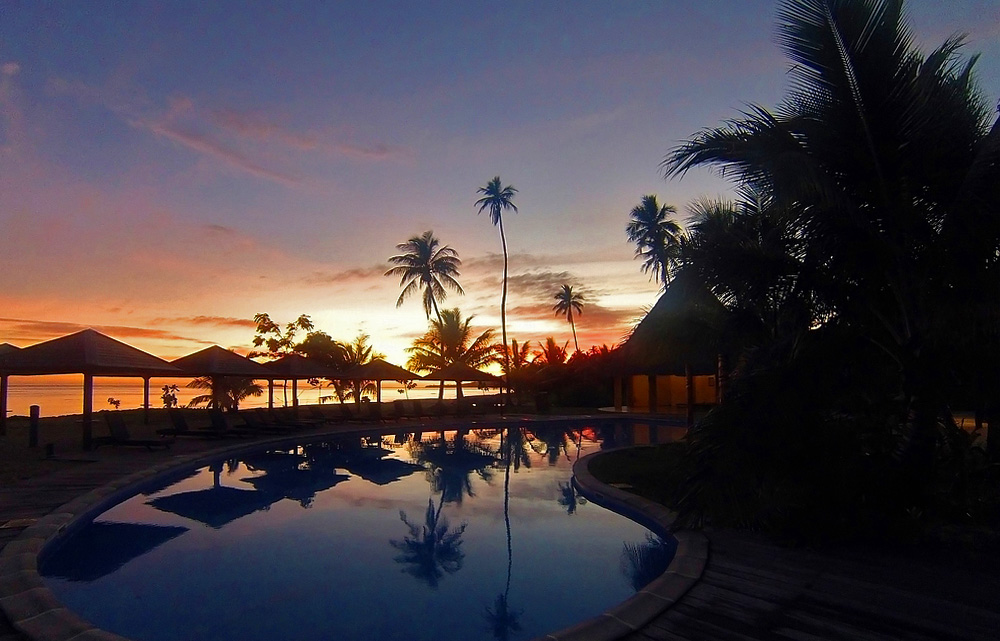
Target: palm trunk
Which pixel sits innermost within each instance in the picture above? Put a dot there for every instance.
(503, 313)
(573, 326)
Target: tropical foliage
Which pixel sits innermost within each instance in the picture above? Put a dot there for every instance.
(450, 340)
(568, 301)
(656, 236)
(497, 199)
(227, 392)
(426, 266)
(860, 267)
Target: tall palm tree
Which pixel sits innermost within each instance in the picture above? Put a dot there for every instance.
(566, 302)
(426, 265)
(498, 198)
(450, 340)
(657, 237)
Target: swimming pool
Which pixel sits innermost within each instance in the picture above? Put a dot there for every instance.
(459, 535)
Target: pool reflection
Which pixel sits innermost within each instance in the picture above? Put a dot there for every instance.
(317, 520)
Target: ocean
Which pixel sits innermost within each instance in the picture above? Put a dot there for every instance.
(62, 396)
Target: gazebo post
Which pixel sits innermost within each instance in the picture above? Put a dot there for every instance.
(689, 380)
(3, 404)
(295, 397)
(270, 393)
(618, 393)
(145, 400)
(88, 412)
(378, 391)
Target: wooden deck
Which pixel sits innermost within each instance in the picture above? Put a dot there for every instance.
(751, 588)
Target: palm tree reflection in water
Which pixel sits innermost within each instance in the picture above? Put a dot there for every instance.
(501, 618)
(643, 562)
(430, 550)
(433, 549)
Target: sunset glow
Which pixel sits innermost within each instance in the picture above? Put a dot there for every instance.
(169, 170)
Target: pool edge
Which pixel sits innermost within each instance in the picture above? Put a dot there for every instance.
(684, 571)
(34, 611)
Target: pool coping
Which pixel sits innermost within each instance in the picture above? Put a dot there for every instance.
(660, 594)
(34, 610)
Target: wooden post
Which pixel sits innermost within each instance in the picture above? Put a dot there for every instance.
(35, 412)
(270, 393)
(689, 381)
(295, 397)
(653, 405)
(721, 379)
(3, 405)
(618, 393)
(88, 412)
(145, 400)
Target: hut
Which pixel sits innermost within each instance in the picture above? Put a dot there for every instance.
(86, 352)
(671, 360)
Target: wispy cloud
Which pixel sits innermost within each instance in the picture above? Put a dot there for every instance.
(202, 321)
(208, 145)
(12, 127)
(32, 331)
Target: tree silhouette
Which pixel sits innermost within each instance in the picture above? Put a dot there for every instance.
(497, 199)
(566, 302)
(450, 340)
(227, 391)
(657, 238)
(426, 265)
(431, 549)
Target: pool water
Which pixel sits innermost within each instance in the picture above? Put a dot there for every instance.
(472, 534)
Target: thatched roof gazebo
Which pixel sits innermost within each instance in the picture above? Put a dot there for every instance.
(459, 372)
(378, 370)
(86, 352)
(682, 335)
(6, 350)
(294, 367)
(218, 362)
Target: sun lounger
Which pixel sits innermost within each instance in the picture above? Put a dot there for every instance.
(120, 434)
(221, 426)
(256, 420)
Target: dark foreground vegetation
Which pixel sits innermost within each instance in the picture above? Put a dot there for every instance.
(859, 272)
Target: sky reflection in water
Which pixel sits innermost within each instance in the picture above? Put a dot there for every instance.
(398, 538)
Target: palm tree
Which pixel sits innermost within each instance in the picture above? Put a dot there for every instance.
(551, 353)
(566, 301)
(450, 340)
(497, 199)
(884, 161)
(226, 391)
(425, 265)
(657, 237)
(359, 352)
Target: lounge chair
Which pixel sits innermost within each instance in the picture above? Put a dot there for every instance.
(256, 420)
(120, 435)
(179, 423)
(220, 426)
(399, 411)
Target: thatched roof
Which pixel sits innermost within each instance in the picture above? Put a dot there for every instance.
(684, 328)
(378, 370)
(296, 366)
(85, 352)
(217, 361)
(459, 371)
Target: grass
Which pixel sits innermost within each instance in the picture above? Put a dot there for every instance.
(646, 471)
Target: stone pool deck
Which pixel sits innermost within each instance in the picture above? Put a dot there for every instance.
(749, 588)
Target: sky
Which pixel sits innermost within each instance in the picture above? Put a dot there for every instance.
(170, 169)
